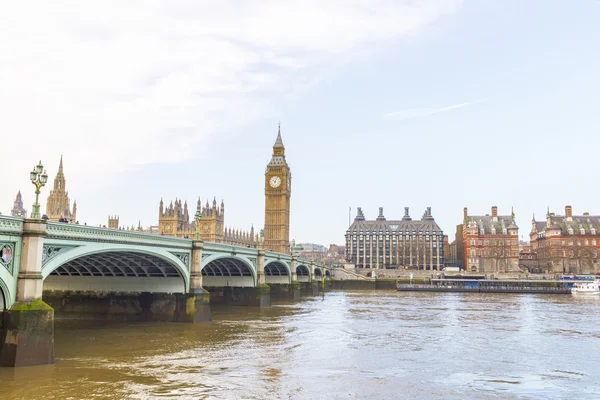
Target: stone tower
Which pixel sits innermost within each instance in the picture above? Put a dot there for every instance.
(174, 220)
(18, 210)
(58, 204)
(113, 221)
(278, 190)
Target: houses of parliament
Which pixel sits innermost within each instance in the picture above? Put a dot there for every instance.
(175, 219)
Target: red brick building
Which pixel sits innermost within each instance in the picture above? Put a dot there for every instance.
(490, 243)
(567, 243)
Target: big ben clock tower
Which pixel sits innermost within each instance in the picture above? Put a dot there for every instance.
(278, 190)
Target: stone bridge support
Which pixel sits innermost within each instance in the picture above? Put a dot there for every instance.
(195, 305)
(263, 291)
(296, 293)
(27, 329)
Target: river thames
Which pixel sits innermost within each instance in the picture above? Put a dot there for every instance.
(345, 345)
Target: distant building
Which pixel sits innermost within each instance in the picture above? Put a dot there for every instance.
(311, 251)
(567, 243)
(18, 210)
(113, 222)
(452, 257)
(401, 243)
(58, 205)
(174, 220)
(490, 243)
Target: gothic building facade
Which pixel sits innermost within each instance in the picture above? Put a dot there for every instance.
(58, 205)
(278, 191)
(18, 210)
(404, 243)
(175, 220)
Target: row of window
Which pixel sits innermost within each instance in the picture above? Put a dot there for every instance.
(474, 242)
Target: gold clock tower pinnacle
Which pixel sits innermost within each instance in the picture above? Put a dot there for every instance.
(278, 190)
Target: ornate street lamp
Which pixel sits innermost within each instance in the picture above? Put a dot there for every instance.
(262, 239)
(197, 218)
(39, 178)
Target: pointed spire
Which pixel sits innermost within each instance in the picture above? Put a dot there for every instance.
(278, 141)
(60, 166)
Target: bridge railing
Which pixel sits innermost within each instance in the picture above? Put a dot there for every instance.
(11, 224)
(83, 232)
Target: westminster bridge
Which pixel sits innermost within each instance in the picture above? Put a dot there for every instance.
(47, 266)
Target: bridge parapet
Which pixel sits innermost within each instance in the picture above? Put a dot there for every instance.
(10, 225)
(57, 230)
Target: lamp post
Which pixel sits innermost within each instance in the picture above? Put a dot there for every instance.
(197, 218)
(39, 178)
(262, 239)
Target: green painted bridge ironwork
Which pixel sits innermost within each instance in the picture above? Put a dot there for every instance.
(86, 258)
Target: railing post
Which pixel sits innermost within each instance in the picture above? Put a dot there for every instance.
(27, 335)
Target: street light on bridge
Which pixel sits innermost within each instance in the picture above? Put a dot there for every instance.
(39, 178)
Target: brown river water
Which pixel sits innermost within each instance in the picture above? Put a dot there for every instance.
(345, 345)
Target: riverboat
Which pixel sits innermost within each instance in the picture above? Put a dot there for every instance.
(586, 288)
(487, 286)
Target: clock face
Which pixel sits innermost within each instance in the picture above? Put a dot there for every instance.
(275, 181)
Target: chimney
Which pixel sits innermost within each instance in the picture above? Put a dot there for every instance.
(465, 213)
(568, 211)
(494, 211)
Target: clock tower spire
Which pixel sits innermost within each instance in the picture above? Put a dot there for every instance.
(278, 191)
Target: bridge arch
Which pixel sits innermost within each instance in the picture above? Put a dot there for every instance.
(277, 271)
(4, 296)
(117, 267)
(303, 273)
(318, 273)
(228, 270)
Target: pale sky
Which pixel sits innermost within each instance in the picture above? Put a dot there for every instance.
(440, 103)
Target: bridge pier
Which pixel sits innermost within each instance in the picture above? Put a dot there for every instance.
(194, 306)
(27, 328)
(286, 290)
(310, 288)
(263, 290)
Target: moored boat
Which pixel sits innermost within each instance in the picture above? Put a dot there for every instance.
(586, 288)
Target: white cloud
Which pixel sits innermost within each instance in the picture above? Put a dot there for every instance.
(112, 84)
(422, 112)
